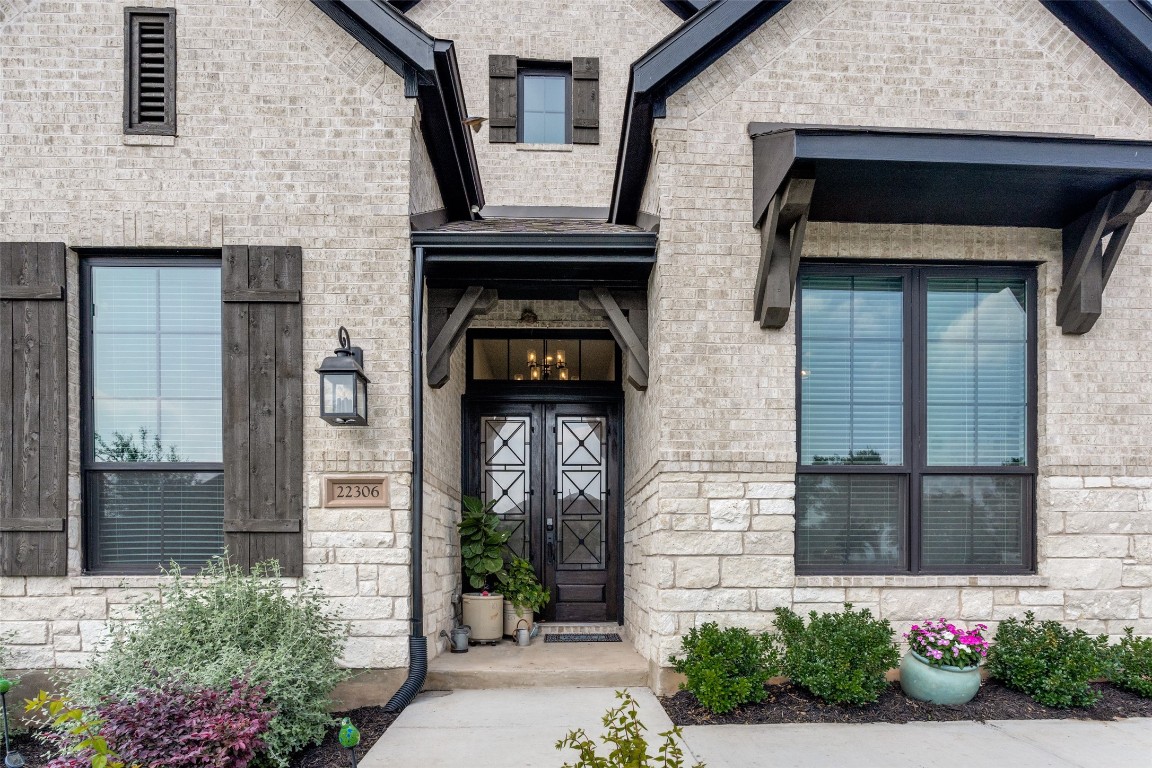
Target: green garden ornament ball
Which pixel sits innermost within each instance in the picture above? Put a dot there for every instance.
(5, 685)
(349, 734)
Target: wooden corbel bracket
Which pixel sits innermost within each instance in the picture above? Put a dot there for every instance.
(449, 315)
(1088, 261)
(630, 332)
(781, 242)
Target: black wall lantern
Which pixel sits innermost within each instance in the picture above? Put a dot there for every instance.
(343, 386)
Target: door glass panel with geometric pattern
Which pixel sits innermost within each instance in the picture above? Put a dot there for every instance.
(581, 497)
(505, 470)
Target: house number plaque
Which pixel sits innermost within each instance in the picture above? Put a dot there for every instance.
(356, 491)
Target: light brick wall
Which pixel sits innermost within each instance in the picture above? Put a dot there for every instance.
(290, 133)
(703, 544)
(617, 33)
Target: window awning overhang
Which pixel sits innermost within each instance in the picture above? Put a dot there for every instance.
(1092, 189)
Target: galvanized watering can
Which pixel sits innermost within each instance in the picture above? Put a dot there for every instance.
(523, 633)
(459, 638)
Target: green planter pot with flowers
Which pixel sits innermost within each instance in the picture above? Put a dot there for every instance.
(942, 665)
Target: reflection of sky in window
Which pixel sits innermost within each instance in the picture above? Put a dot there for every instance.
(545, 108)
(156, 344)
(977, 388)
(852, 370)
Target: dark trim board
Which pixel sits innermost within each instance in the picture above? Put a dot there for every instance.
(685, 9)
(553, 263)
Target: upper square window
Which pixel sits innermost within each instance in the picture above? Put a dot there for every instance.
(916, 414)
(153, 449)
(150, 71)
(544, 100)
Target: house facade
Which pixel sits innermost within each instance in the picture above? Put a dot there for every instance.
(725, 306)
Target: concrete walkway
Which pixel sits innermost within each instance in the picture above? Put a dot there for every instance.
(510, 728)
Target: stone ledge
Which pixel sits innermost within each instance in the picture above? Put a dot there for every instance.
(1018, 580)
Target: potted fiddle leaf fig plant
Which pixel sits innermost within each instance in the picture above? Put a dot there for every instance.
(482, 547)
(523, 595)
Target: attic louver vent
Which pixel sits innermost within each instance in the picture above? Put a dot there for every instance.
(150, 71)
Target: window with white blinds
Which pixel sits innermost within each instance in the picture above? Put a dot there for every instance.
(153, 447)
(916, 411)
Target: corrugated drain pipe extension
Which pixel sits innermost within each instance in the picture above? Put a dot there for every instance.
(417, 643)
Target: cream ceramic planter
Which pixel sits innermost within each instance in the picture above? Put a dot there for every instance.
(484, 613)
(512, 618)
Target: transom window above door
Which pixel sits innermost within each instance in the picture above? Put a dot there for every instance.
(917, 416)
(543, 357)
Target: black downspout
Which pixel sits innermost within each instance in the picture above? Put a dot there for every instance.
(417, 643)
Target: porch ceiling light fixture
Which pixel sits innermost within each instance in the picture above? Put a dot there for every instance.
(343, 386)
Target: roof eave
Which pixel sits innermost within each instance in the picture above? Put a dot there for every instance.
(431, 75)
(663, 70)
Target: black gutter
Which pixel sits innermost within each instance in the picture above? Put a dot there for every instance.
(431, 75)
(664, 69)
(417, 643)
(1119, 31)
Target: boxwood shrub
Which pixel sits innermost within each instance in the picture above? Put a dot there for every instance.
(1048, 662)
(840, 657)
(726, 667)
(1130, 664)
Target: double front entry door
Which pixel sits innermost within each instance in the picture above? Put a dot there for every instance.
(553, 471)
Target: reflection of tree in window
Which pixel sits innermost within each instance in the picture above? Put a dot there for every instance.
(124, 448)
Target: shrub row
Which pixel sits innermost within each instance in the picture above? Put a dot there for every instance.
(843, 657)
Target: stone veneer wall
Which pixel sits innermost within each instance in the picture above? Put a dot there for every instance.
(617, 33)
(290, 133)
(712, 517)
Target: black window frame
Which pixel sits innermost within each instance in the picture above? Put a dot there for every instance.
(89, 467)
(530, 68)
(133, 125)
(914, 469)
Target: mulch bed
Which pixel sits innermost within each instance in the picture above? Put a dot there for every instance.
(787, 703)
(372, 722)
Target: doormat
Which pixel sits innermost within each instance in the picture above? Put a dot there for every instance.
(574, 637)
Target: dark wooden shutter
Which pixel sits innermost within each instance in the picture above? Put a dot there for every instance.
(502, 99)
(263, 406)
(150, 71)
(33, 410)
(585, 100)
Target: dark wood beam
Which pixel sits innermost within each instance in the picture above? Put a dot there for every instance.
(1089, 260)
(447, 324)
(781, 242)
(630, 332)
